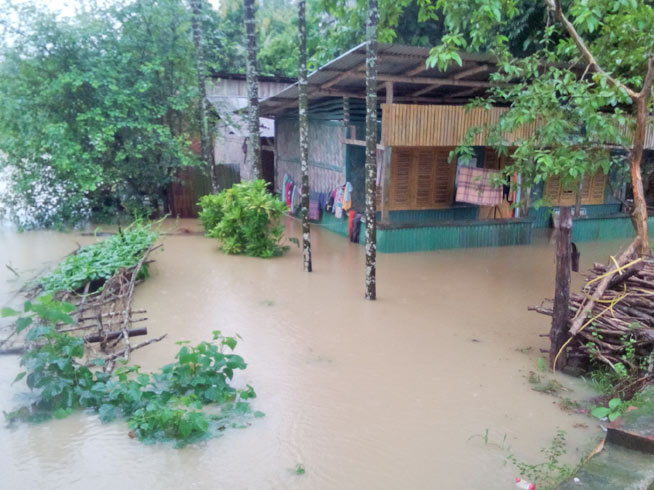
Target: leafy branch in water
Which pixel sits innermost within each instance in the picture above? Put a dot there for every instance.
(98, 262)
(188, 400)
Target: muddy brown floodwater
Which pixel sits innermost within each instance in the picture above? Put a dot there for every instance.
(397, 393)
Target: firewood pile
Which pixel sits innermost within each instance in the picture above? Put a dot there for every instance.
(612, 319)
(103, 317)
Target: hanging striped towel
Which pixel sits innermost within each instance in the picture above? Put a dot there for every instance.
(474, 186)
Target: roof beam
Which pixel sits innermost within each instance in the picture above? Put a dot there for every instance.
(342, 76)
(427, 80)
(473, 70)
(464, 93)
(417, 69)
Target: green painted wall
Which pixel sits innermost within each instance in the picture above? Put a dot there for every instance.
(543, 215)
(605, 228)
(468, 235)
(421, 238)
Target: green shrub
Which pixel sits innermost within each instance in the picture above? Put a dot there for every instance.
(245, 219)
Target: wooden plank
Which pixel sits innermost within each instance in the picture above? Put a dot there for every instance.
(386, 186)
(389, 92)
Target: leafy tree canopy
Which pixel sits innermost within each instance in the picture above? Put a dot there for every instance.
(577, 109)
(95, 106)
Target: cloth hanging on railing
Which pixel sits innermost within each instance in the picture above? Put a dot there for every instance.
(474, 186)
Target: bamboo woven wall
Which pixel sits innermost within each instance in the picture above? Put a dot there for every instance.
(437, 125)
(445, 125)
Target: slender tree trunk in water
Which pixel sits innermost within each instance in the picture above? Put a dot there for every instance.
(304, 132)
(254, 139)
(371, 149)
(198, 41)
(560, 313)
(640, 205)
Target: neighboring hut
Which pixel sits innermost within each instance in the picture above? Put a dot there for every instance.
(422, 198)
(228, 95)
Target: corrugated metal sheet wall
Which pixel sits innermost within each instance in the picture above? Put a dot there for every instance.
(326, 154)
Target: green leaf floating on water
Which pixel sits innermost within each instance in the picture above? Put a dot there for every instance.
(6, 311)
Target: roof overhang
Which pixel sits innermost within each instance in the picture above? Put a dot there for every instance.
(401, 69)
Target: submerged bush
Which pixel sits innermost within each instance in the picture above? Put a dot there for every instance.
(185, 401)
(245, 219)
(102, 260)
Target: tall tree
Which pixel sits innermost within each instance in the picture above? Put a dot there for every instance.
(254, 139)
(198, 41)
(371, 149)
(95, 109)
(304, 131)
(574, 115)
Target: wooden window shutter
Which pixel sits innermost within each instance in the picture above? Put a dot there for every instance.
(597, 188)
(552, 191)
(592, 191)
(491, 159)
(425, 172)
(585, 189)
(401, 178)
(443, 178)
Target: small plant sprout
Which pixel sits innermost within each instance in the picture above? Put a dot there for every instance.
(615, 408)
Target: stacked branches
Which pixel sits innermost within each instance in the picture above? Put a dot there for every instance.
(98, 282)
(611, 321)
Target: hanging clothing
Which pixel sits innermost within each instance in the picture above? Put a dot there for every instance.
(356, 228)
(350, 219)
(283, 189)
(329, 207)
(474, 186)
(338, 204)
(347, 196)
(288, 193)
(314, 210)
(295, 199)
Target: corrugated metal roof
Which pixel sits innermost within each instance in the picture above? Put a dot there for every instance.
(393, 60)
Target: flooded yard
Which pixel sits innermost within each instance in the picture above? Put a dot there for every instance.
(425, 388)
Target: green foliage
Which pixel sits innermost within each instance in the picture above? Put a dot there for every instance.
(171, 404)
(574, 116)
(548, 474)
(612, 411)
(245, 219)
(100, 261)
(299, 469)
(97, 108)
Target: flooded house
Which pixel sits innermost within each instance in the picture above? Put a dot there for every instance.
(425, 201)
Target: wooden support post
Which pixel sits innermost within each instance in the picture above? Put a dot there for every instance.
(346, 114)
(385, 186)
(561, 313)
(389, 92)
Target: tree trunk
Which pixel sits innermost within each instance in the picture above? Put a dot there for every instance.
(640, 205)
(304, 133)
(371, 149)
(560, 313)
(198, 41)
(254, 139)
